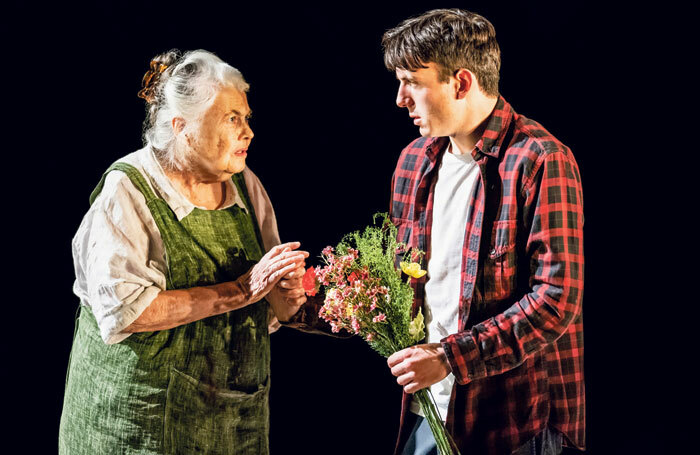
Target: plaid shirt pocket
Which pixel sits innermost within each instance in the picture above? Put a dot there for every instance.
(500, 265)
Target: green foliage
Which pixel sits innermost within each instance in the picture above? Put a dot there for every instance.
(377, 248)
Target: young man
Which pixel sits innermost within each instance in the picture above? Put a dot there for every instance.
(495, 202)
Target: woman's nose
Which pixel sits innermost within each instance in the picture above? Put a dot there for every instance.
(246, 132)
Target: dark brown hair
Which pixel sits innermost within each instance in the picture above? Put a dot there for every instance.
(451, 38)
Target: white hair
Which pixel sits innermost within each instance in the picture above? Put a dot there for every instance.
(185, 89)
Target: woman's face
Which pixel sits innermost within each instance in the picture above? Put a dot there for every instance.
(221, 145)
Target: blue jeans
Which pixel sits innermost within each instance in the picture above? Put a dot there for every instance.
(421, 442)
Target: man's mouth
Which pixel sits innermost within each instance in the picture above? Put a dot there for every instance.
(241, 152)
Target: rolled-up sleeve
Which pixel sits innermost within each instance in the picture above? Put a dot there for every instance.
(119, 267)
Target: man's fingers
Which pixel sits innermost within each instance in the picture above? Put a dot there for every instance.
(406, 378)
(398, 369)
(412, 388)
(396, 358)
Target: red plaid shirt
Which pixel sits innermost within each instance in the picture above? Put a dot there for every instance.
(518, 355)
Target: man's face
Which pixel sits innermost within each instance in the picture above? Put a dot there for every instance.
(221, 144)
(430, 103)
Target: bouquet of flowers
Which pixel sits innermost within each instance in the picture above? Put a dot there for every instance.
(366, 294)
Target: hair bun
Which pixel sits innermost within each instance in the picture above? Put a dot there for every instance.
(168, 58)
(151, 80)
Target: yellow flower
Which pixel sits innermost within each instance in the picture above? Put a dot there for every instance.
(349, 310)
(412, 269)
(415, 328)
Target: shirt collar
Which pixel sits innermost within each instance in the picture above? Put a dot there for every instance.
(164, 188)
(496, 127)
(490, 142)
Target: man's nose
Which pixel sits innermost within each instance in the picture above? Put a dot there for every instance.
(402, 98)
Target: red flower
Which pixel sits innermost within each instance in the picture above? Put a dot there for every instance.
(309, 282)
(353, 277)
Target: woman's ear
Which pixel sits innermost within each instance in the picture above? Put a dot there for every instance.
(178, 125)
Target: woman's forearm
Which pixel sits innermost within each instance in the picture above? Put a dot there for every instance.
(181, 306)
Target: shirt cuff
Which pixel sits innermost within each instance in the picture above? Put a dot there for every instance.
(464, 357)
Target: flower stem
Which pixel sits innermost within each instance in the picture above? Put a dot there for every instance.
(443, 440)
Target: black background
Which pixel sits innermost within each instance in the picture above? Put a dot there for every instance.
(327, 136)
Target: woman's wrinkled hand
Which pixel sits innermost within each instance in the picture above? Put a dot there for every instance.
(263, 276)
(288, 296)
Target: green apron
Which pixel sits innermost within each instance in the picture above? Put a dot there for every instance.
(199, 388)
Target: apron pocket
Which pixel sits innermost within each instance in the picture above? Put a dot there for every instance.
(202, 419)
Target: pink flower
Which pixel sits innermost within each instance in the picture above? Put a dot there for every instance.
(355, 325)
(379, 318)
(370, 337)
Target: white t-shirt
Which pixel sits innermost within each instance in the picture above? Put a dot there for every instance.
(457, 176)
(118, 252)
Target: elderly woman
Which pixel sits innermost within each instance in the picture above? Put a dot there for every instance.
(181, 278)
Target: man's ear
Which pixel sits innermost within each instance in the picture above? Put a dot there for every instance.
(465, 81)
(178, 125)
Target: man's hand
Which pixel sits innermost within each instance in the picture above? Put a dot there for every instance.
(419, 366)
(288, 295)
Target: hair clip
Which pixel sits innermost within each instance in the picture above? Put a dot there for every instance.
(150, 81)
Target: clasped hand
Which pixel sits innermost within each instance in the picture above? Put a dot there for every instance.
(288, 295)
(419, 366)
(278, 276)
(281, 263)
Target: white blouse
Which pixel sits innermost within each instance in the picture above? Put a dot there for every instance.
(118, 252)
